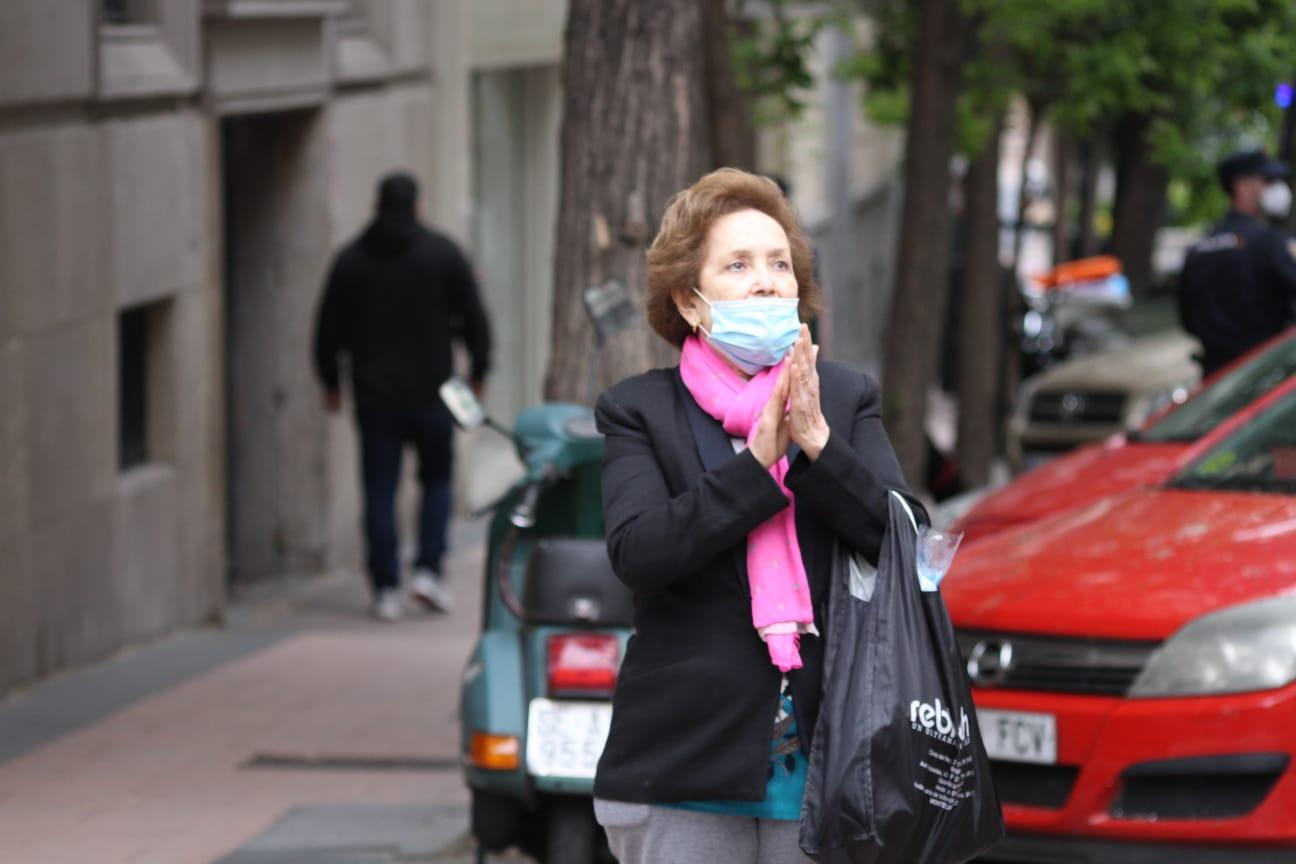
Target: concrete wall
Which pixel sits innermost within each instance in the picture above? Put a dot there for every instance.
(97, 216)
(113, 183)
(103, 207)
(506, 34)
(277, 248)
(517, 115)
(45, 51)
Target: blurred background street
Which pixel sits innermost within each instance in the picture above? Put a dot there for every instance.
(1008, 202)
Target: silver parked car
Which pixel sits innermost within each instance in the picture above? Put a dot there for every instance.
(1099, 395)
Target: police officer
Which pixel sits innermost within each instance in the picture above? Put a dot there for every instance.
(1238, 285)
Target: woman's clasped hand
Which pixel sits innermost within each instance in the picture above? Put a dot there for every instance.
(792, 414)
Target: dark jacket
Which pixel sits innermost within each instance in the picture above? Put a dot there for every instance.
(695, 702)
(1238, 288)
(394, 299)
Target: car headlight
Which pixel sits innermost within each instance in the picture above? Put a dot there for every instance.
(1236, 650)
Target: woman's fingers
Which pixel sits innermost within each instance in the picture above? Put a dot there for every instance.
(772, 434)
(802, 357)
(800, 395)
(807, 351)
(806, 424)
(778, 396)
(805, 377)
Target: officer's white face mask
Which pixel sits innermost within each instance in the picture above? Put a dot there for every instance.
(1276, 200)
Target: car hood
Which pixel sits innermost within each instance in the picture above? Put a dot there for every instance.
(1078, 478)
(1134, 566)
(1146, 364)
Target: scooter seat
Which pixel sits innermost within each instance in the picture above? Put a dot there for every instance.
(569, 582)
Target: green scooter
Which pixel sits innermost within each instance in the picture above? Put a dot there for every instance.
(535, 700)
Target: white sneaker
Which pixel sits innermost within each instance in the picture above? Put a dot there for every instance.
(387, 605)
(431, 592)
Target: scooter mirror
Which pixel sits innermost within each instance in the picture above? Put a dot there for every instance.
(610, 308)
(462, 403)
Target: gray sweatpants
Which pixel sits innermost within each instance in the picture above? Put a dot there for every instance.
(645, 834)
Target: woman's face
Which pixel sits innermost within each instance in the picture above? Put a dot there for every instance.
(747, 254)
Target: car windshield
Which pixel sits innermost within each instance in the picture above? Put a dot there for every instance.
(1225, 396)
(1259, 457)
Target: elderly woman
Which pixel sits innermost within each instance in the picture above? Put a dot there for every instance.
(727, 483)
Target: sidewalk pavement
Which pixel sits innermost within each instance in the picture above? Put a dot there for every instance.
(301, 730)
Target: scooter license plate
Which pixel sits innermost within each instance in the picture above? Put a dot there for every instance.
(565, 739)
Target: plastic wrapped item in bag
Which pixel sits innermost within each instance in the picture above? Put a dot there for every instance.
(898, 772)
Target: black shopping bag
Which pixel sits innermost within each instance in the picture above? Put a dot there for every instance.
(898, 772)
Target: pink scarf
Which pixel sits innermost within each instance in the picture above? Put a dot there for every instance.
(780, 593)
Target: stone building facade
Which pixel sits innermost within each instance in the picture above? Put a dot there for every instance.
(175, 176)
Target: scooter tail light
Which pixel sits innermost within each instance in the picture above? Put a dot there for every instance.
(494, 752)
(583, 664)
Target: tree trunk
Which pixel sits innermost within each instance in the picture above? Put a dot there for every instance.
(733, 130)
(981, 328)
(1140, 202)
(1011, 305)
(634, 132)
(1091, 160)
(1063, 180)
(1035, 120)
(922, 270)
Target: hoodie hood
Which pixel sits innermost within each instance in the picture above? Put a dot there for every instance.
(390, 233)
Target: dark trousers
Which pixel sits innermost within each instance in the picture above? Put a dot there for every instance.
(385, 430)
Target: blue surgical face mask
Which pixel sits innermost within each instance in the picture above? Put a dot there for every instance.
(754, 334)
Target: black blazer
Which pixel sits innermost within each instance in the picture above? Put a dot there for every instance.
(695, 702)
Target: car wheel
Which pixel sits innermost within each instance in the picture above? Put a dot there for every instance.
(572, 836)
(496, 820)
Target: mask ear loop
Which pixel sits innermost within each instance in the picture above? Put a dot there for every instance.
(698, 326)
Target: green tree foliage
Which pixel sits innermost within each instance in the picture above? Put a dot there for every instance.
(771, 55)
(1204, 70)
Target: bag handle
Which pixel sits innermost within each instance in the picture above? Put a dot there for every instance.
(907, 508)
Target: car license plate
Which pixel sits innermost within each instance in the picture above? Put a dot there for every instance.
(565, 739)
(1019, 736)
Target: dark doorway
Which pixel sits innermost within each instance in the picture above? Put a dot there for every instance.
(274, 199)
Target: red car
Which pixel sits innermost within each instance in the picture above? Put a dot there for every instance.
(1134, 662)
(1167, 443)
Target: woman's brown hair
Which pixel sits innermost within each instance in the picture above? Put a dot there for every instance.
(676, 254)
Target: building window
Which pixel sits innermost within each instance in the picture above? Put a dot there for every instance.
(125, 12)
(143, 388)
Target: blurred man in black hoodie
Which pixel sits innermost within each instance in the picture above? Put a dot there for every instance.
(395, 298)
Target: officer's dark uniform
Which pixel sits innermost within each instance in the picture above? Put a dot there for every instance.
(1238, 288)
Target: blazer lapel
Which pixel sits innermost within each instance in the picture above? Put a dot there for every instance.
(714, 448)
